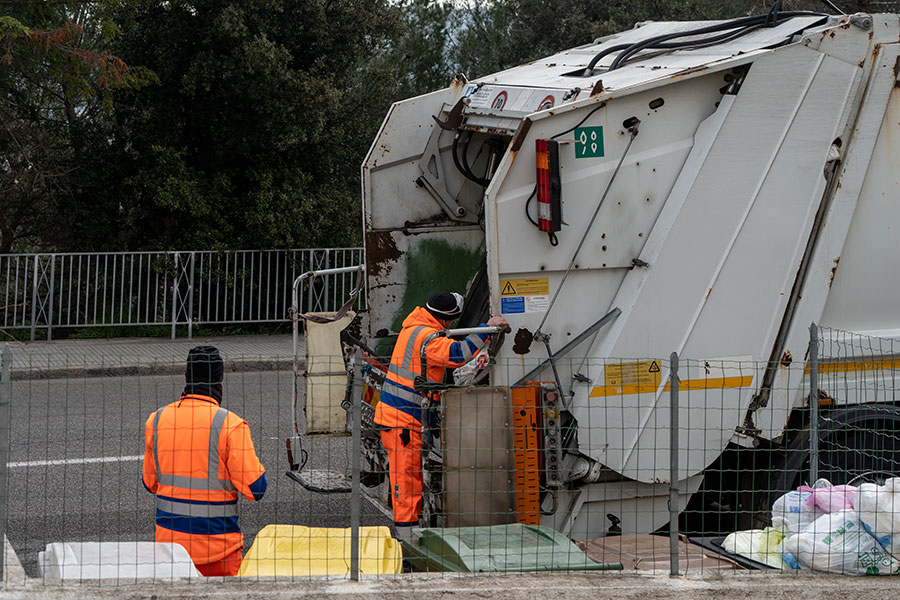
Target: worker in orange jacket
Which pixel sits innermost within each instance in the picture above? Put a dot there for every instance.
(399, 410)
(198, 456)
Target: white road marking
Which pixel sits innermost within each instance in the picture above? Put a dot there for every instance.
(73, 461)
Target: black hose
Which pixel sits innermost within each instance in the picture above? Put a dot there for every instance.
(744, 24)
(463, 167)
(661, 40)
(527, 203)
(708, 41)
(577, 125)
(465, 162)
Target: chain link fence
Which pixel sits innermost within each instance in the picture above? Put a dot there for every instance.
(667, 464)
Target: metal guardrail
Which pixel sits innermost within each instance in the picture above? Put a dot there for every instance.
(42, 292)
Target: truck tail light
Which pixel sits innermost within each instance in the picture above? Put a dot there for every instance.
(549, 186)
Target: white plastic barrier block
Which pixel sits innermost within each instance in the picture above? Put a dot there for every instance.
(115, 560)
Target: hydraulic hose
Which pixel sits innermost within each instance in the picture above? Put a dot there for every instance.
(661, 41)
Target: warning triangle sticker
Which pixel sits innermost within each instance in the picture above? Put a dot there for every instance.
(654, 367)
(508, 289)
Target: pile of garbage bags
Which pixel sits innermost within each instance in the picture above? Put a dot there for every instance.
(837, 529)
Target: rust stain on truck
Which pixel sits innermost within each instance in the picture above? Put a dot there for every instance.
(381, 252)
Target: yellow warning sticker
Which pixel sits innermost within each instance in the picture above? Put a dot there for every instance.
(536, 286)
(644, 373)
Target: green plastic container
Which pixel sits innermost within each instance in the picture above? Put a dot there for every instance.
(501, 548)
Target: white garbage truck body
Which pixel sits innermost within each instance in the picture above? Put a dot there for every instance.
(712, 199)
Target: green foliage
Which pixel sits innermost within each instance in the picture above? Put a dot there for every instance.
(253, 136)
(225, 124)
(56, 75)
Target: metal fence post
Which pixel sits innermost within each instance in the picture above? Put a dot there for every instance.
(190, 315)
(175, 296)
(356, 398)
(5, 393)
(34, 288)
(51, 290)
(673, 464)
(813, 403)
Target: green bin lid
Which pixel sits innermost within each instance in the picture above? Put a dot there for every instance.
(502, 548)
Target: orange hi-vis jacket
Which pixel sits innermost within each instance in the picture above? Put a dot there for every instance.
(197, 458)
(400, 406)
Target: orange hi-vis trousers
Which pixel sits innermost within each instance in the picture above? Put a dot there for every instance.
(404, 450)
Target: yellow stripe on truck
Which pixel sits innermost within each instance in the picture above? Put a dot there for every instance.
(712, 383)
(855, 366)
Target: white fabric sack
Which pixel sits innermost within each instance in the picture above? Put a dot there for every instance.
(838, 543)
(879, 507)
(465, 375)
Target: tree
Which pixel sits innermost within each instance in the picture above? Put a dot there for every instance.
(55, 79)
(253, 138)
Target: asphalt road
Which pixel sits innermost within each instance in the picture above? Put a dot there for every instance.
(96, 426)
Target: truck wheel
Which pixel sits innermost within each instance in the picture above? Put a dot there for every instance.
(856, 444)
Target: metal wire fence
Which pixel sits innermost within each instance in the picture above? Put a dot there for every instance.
(43, 292)
(666, 464)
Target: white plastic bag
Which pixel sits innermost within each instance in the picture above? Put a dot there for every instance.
(829, 498)
(838, 543)
(879, 507)
(465, 375)
(761, 545)
(793, 511)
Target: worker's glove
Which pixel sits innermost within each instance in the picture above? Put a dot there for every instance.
(499, 321)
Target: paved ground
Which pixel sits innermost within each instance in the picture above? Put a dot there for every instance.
(145, 356)
(573, 586)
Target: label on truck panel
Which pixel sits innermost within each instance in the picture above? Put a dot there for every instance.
(589, 142)
(706, 374)
(518, 296)
(634, 373)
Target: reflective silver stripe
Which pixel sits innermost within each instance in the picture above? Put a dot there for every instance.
(209, 483)
(402, 372)
(155, 452)
(410, 342)
(186, 509)
(467, 351)
(476, 339)
(400, 392)
(215, 430)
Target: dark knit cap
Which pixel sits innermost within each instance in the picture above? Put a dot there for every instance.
(445, 305)
(205, 372)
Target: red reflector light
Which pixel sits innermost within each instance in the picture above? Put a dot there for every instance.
(549, 187)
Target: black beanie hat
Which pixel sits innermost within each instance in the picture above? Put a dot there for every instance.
(445, 305)
(205, 372)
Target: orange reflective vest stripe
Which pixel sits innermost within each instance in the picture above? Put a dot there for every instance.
(197, 458)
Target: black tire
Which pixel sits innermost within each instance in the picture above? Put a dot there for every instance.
(856, 444)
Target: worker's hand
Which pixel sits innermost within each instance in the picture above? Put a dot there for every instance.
(499, 321)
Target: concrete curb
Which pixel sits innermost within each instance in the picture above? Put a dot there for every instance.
(157, 368)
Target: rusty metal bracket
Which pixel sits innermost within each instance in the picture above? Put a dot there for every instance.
(454, 117)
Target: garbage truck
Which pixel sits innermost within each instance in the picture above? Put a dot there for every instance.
(707, 189)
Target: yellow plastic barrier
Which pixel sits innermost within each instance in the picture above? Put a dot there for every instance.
(295, 550)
